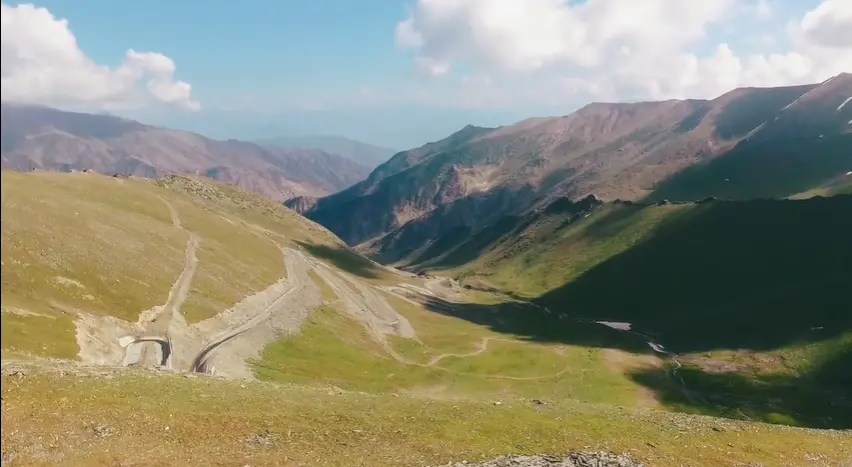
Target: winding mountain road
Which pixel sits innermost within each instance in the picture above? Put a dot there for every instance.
(481, 347)
(297, 280)
(157, 329)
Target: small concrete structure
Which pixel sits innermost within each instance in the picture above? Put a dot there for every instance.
(133, 349)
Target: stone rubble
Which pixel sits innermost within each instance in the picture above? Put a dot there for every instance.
(574, 459)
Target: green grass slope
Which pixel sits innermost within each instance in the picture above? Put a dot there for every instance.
(142, 419)
(333, 349)
(479, 379)
(754, 295)
(108, 246)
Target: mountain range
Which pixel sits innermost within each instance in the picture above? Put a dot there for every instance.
(364, 154)
(50, 139)
(675, 331)
(747, 143)
(577, 269)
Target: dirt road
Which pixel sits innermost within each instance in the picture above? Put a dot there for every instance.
(480, 348)
(365, 304)
(157, 344)
(297, 280)
(233, 337)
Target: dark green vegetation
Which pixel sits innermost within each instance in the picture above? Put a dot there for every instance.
(719, 273)
(754, 296)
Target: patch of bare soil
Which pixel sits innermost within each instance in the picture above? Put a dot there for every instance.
(22, 312)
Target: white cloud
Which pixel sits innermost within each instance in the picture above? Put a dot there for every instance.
(761, 9)
(829, 26)
(42, 64)
(628, 49)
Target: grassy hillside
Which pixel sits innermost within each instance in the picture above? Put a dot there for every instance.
(454, 360)
(109, 246)
(144, 419)
(752, 294)
(717, 274)
(475, 379)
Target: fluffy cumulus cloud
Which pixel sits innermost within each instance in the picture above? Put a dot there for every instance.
(42, 64)
(629, 49)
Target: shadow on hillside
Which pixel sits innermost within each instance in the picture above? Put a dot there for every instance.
(610, 223)
(761, 170)
(738, 275)
(821, 398)
(526, 322)
(783, 399)
(473, 245)
(757, 275)
(343, 258)
(750, 110)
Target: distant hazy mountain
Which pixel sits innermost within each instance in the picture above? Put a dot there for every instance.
(50, 139)
(364, 154)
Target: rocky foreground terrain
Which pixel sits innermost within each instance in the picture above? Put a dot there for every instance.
(574, 459)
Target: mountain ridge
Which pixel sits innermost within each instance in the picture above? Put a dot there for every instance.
(37, 137)
(616, 151)
(248, 290)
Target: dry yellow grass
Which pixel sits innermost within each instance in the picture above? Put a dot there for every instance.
(84, 242)
(145, 419)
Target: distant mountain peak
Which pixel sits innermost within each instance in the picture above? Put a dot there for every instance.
(470, 129)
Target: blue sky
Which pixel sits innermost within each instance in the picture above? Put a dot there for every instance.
(267, 68)
(237, 52)
(399, 73)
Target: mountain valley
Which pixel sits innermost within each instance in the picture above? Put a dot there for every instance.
(666, 280)
(431, 233)
(748, 143)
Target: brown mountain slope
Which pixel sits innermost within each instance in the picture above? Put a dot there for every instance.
(621, 151)
(50, 139)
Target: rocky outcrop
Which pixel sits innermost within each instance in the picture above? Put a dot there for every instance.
(575, 459)
(301, 204)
